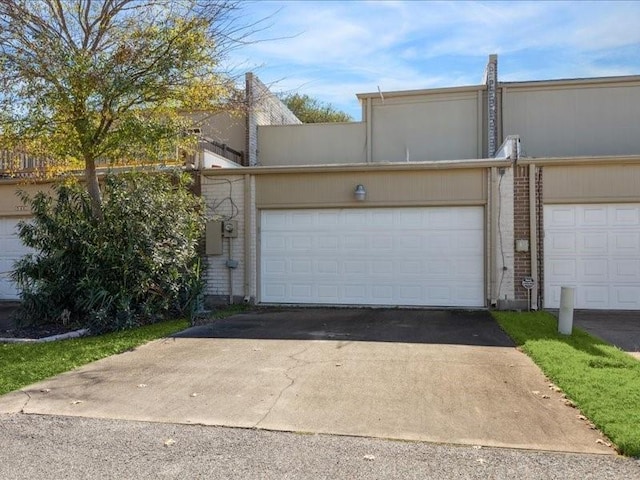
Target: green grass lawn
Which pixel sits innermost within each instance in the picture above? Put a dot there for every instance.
(603, 381)
(22, 364)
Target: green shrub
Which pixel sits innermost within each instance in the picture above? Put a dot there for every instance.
(137, 265)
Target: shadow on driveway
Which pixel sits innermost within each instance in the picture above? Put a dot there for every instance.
(454, 327)
(620, 328)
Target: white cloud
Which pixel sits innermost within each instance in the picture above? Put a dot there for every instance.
(334, 50)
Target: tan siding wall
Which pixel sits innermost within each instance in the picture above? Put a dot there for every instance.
(10, 203)
(430, 127)
(591, 183)
(403, 188)
(574, 120)
(312, 144)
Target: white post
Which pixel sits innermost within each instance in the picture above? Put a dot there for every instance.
(565, 318)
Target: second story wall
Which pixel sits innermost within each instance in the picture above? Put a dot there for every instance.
(427, 125)
(572, 118)
(224, 127)
(312, 144)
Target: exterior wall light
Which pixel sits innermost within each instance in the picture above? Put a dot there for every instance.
(360, 193)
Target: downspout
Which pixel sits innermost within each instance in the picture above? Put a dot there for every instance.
(369, 130)
(230, 271)
(494, 235)
(488, 243)
(533, 235)
(247, 238)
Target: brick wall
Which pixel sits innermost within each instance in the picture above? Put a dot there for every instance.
(521, 228)
(263, 108)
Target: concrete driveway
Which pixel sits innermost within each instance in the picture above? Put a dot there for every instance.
(451, 377)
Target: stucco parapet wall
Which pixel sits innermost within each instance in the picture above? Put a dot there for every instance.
(424, 91)
(573, 82)
(590, 160)
(362, 167)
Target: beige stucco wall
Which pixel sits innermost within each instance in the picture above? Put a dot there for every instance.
(438, 126)
(312, 144)
(575, 118)
(384, 188)
(224, 127)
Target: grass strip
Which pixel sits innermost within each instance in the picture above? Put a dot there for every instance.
(22, 364)
(602, 380)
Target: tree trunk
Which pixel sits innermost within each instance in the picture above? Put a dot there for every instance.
(93, 187)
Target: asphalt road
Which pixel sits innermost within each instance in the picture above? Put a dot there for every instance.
(33, 446)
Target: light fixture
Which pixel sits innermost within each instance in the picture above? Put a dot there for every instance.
(360, 193)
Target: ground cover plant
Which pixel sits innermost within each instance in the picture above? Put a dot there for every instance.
(602, 380)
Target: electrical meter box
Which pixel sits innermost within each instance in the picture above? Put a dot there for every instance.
(230, 228)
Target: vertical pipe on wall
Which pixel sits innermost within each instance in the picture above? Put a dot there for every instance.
(230, 270)
(533, 235)
(487, 243)
(479, 118)
(493, 226)
(368, 140)
(247, 237)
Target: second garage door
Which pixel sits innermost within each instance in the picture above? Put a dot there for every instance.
(595, 249)
(373, 256)
(10, 251)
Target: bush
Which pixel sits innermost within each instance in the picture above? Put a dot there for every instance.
(138, 265)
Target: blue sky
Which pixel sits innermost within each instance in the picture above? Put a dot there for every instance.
(332, 50)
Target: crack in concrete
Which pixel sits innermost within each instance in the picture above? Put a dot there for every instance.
(292, 381)
(26, 401)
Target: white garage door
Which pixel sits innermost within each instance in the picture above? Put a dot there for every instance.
(596, 250)
(11, 249)
(373, 256)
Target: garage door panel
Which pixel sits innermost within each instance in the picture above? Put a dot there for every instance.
(625, 270)
(592, 216)
(593, 296)
(403, 256)
(604, 266)
(625, 243)
(11, 249)
(626, 297)
(593, 269)
(562, 216)
(594, 243)
(626, 215)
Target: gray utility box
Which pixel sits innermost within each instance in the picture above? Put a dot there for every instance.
(213, 238)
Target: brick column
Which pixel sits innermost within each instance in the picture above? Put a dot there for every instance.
(521, 229)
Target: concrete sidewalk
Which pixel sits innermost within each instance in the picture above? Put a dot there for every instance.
(462, 393)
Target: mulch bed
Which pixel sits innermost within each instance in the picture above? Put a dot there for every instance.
(34, 332)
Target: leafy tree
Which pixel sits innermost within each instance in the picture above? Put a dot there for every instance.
(311, 110)
(137, 266)
(84, 81)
